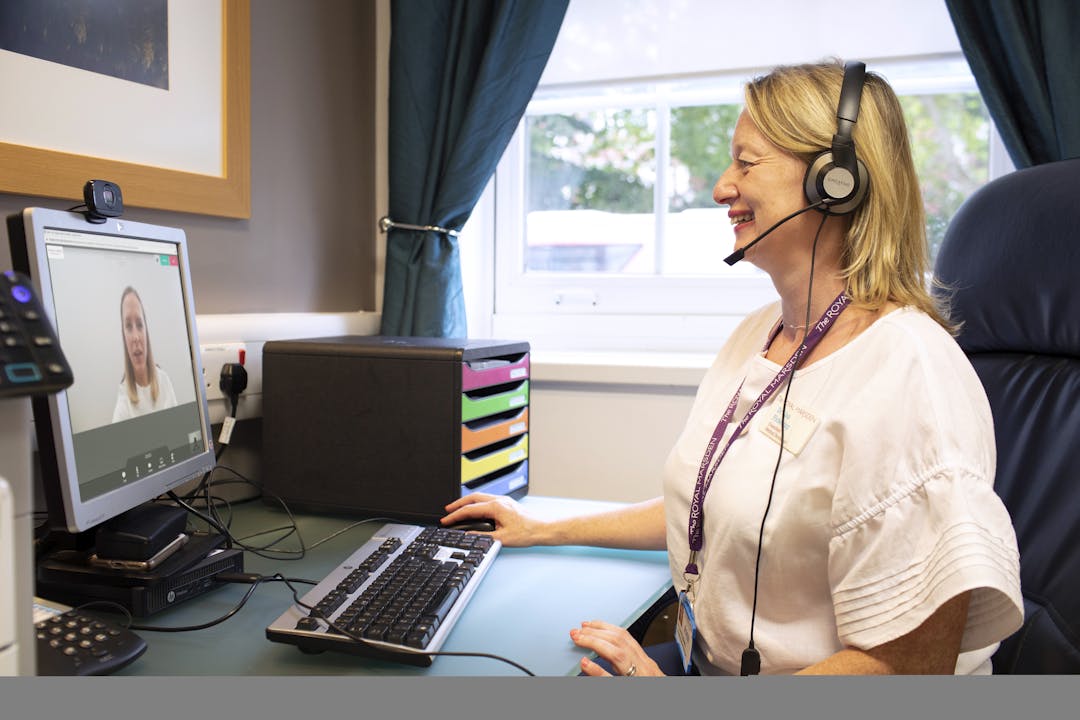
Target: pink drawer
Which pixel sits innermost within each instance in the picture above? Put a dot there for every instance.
(494, 371)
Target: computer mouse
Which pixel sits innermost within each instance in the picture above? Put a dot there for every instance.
(477, 524)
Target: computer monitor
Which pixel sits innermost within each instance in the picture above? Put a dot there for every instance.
(134, 424)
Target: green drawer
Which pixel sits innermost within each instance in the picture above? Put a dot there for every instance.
(474, 405)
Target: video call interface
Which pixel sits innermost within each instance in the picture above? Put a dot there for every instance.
(121, 319)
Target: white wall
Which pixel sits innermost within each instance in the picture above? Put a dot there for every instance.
(602, 430)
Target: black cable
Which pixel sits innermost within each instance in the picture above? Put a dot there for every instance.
(205, 518)
(202, 491)
(214, 504)
(212, 508)
(213, 518)
(267, 550)
(254, 580)
(203, 626)
(110, 604)
(293, 528)
(751, 659)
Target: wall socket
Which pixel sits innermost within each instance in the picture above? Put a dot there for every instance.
(214, 357)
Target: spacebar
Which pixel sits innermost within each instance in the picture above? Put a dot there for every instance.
(442, 602)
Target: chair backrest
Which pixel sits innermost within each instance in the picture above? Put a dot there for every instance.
(1011, 256)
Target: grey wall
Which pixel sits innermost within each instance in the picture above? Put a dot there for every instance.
(309, 245)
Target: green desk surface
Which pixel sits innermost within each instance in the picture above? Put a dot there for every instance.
(523, 610)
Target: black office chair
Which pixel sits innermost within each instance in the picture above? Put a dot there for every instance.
(1012, 257)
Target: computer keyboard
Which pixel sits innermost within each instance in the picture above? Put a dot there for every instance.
(401, 592)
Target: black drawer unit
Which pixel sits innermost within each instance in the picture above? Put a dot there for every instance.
(393, 427)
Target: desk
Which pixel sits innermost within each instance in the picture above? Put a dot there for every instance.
(523, 609)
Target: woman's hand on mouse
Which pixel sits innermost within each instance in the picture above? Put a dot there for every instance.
(615, 645)
(513, 527)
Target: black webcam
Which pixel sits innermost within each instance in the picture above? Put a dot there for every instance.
(103, 200)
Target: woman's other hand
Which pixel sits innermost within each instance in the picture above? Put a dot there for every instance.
(615, 645)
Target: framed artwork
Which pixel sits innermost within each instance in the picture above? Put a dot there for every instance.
(163, 52)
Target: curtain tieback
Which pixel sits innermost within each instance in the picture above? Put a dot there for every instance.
(386, 224)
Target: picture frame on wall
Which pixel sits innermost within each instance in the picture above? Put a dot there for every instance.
(181, 142)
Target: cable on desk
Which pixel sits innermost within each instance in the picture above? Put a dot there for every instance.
(111, 605)
(213, 517)
(203, 626)
(356, 638)
(238, 578)
(254, 580)
(206, 518)
(268, 551)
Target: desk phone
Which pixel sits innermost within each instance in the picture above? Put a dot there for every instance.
(30, 358)
(71, 642)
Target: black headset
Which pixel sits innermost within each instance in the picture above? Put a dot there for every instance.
(837, 177)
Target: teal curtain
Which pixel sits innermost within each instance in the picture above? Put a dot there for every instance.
(1025, 56)
(461, 75)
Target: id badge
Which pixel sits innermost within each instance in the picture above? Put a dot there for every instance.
(799, 425)
(685, 631)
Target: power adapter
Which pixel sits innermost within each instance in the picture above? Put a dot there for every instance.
(233, 380)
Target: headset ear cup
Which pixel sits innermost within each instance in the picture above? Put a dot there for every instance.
(840, 198)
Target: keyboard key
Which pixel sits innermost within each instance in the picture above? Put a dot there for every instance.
(307, 623)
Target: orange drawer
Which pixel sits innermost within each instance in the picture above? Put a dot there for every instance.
(478, 433)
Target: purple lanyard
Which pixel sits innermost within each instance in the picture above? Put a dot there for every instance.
(705, 474)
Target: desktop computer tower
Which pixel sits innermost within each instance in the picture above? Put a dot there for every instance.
(393, 427)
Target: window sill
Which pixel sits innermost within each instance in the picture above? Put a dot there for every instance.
(620, 368)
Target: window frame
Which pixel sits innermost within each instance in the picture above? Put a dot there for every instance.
(611, 312)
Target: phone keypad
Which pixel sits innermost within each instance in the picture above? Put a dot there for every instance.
(74, 643)
(31, 361)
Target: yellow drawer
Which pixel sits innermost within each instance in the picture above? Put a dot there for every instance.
(474, 467)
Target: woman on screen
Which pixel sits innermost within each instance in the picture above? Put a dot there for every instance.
(145, 387)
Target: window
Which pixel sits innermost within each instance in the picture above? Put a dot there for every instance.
(605, 235)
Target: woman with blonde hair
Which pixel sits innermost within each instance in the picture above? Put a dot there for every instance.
(829, 506)
(145, 387)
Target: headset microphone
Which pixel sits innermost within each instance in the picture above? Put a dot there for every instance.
(738, 254)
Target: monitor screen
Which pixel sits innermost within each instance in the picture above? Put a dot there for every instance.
(134, 424)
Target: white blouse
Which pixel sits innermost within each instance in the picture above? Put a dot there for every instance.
(883, 508)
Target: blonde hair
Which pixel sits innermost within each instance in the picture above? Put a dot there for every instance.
(885, 254)
(129, 369)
